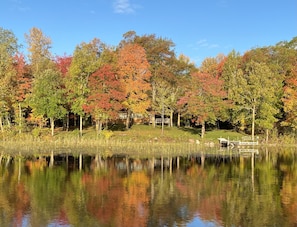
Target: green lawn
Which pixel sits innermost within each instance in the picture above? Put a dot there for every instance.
(144, 133)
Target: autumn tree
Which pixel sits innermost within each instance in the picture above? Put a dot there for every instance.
(85, 61)
(161, 56)
(169, 87)
(38, 45)
(182, 69)
(164, 94)
(133, 69)
(210, 66)
(290, 100)
(8, 49)
(22, 87)
(283, 58)
(169, 80)
(63, 64)
(214, 67)
(203, 99)
(105, 97)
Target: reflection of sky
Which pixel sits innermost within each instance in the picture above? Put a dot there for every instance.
(197, 222)
(54, 224)
(25, 220)
(25, 223)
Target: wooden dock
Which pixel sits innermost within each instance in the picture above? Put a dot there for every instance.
(236, 143)
(248, 151)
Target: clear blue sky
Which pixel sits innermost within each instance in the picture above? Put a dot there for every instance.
(198, 28)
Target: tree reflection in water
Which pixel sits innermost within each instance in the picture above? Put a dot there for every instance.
(235, 189)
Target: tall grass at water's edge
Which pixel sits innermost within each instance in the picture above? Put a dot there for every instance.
(138, 140)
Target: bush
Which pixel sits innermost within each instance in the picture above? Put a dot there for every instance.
(36, 132)
(107, 134)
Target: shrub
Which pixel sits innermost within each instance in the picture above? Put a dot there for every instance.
(107, 134)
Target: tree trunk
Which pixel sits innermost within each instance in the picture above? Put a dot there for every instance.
(67, 122)
(1, 124)
(253, 122)
(106, 124)
(80, 162)
(171, 118)
(52, 159)
(162, 120)
(203, 130)
(8, 121)
(52, 122)
(80, 125)
(178, 119)
(267, 135)
(154, 100)
(153, 119)
(20, 118)
(128, 119)
(98, 126)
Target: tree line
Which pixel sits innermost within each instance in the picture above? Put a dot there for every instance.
(142, 76)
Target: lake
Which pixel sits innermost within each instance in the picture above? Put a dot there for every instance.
(246, 187)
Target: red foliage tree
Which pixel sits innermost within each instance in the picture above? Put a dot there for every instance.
(105, 96)
(63, 64)
(22, 82)
(204, 98)
(22, 86)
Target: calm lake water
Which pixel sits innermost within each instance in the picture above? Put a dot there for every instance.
(237, 188)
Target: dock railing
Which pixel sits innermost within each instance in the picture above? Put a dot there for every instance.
(245, 141)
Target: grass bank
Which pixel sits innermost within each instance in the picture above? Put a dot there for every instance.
(140, 139)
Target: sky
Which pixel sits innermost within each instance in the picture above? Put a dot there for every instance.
(198, 28)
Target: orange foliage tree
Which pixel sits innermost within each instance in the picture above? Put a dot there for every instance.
(290, 99)
(133, 69)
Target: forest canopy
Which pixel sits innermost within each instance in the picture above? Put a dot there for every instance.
(142, 80)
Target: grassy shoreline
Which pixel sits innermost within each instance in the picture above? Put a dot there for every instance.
(139, 139)
(137, 134)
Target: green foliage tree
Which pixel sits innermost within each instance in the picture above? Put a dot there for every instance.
(8, 48)
(47, 99)
(85, 61)
(230, 71)
(255, 93)
(164, 95)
